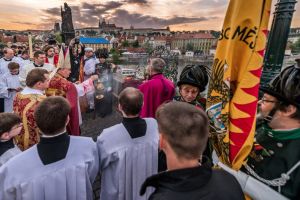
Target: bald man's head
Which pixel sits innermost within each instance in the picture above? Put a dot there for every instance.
(8, 53)
(131, 101)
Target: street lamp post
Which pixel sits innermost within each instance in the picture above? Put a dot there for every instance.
(277, 40)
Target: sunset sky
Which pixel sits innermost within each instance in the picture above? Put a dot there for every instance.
(178, 14)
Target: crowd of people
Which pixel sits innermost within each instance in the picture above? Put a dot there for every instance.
(160, 150)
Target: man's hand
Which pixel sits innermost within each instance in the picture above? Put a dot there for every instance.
(94, 77)
(19, 89)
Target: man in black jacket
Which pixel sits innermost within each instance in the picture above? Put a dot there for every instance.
(183, 135)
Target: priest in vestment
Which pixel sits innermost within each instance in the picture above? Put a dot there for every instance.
(60, 86)
(157, 90)
(59, 167)
(25, 103)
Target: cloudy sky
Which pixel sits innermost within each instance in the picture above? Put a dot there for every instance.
(178, 14)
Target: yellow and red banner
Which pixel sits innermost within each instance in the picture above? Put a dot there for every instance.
(233, 88)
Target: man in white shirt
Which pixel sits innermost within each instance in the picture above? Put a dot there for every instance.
(23, 60)
(89, 69)
(8, 57)
(10, 85)
(89, 63)
(39, 62)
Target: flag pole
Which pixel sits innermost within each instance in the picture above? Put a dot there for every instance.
(30, 46)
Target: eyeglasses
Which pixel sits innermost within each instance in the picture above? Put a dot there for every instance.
(263, 100)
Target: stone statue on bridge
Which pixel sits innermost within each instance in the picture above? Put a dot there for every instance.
(67, 27)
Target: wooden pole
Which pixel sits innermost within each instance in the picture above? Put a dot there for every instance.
(30, 46)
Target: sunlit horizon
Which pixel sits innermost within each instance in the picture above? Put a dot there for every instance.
(191, 16)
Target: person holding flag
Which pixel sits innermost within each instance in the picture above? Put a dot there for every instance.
(275, 159)
(233, 94)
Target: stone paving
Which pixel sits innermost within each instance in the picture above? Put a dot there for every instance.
(92, 127)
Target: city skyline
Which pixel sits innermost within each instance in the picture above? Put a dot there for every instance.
(190, 16)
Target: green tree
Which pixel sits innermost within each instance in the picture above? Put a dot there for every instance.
(125, 43)
(112, 51)
(190, 47)
(116, 57)
(216, 34)
(135, 44)
(58, 37)
(2, 45)
(296, 46)
(148, 47)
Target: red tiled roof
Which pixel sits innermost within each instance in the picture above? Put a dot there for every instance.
(136, 50)
(141, 38)
(22, 38)
(160, 38)
(194, 36)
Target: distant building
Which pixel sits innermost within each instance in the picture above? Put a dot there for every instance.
(189, 54)
(294, 35)
(176, 51)
(158, 41)
(141, 39)
(88, 31)
(107, 27)
(14, 39)
(198, 41)
(146, 31)
(96, 31)
(95, 43)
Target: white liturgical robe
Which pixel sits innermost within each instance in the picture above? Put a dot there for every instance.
(9, 81)
(25, 177)
(126, 162)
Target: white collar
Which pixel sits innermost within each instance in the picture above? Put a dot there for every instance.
(28, 90)
(51, 59)
(52, 136)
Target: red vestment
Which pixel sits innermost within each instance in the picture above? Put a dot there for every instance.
(59, 86)
(55, 60)
(24, 106)
(156, 91)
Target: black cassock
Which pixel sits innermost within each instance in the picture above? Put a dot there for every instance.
(75, 62)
